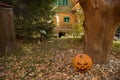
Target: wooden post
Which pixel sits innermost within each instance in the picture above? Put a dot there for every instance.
(7, 31)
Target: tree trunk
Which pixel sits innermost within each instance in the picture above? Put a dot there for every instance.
(101, 20)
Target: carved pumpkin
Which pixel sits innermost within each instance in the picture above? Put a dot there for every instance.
(82, 62)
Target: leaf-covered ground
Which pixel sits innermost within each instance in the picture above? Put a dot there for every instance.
(52, 60)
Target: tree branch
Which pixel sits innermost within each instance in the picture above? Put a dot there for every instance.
(115, 5)
(83, 3)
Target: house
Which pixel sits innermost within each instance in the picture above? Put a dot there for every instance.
(65, 17)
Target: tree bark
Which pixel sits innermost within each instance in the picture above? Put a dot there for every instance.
(101, 20)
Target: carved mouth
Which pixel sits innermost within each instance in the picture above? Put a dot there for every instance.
(82, 69)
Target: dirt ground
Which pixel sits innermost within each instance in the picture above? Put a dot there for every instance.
(52, 60)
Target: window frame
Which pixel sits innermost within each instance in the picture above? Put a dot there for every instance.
(66, 19)
(62, 2)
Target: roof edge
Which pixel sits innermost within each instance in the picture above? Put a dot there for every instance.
(6, 5)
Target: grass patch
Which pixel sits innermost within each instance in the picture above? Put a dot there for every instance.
(116, 47)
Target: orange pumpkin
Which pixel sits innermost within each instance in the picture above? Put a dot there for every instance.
(82, 62)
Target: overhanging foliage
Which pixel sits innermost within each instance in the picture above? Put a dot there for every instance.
(31, 16)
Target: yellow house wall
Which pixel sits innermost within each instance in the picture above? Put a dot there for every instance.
(62, 15)
(64, 26)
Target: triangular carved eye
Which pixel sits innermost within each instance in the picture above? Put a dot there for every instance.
(85, 63)
(78, 63)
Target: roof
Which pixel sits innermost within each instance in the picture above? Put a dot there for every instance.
(6, 5)
(76, 7)
(75, 1)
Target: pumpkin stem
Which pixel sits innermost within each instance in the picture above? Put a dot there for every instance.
(81, 56)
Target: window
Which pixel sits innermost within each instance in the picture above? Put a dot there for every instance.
(62, 2)
(65, 2)
(66, 19)
(58, 2)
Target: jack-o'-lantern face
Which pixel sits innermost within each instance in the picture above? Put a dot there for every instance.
(82, 62)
